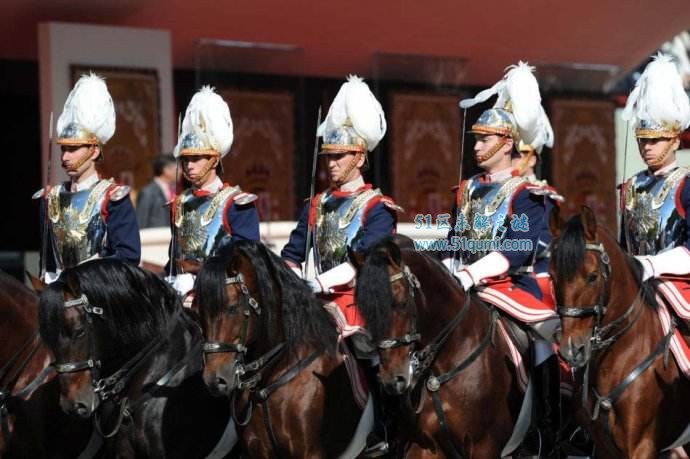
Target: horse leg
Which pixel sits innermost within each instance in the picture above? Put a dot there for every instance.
(645, 448)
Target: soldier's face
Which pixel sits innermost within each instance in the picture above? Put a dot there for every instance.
(196, 167)
(491, 152)
(341, 168)
(658, 153)
(77, 159)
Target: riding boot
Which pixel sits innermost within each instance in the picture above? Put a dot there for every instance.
(377, 441)
(547, 379)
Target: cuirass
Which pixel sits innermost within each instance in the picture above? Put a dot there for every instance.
(199, 228)
(485, 209)
(651, 220)
(77, 229)
(339, 224)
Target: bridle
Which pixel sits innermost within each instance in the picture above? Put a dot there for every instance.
(240, 348)
(109, 387)
(412, 336)
(91, 363)
(602, 335)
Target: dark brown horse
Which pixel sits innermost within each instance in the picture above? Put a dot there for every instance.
(32, 423)
(272, 348)
(129, 359)
(435, 339)
(634, 397)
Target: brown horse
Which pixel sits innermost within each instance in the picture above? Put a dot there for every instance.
(442, 349)
(32, 423)
(635, 400)
(271, 348)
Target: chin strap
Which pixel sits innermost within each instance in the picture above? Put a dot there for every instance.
(342, 179)
(207, 170)
(660, 160)
(490, 154)
(85, 157)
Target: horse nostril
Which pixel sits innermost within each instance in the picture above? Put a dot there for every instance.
(221, 383)
(81, 410)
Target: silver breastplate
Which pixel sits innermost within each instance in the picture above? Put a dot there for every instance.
(77, 229)
(484, 211)
(651, 220)
(338, 226)
(200, 232)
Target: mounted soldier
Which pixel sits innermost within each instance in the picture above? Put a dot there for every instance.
(499, 219)
(210, 214)
(655, 202)
(351, 214)
(86, 217)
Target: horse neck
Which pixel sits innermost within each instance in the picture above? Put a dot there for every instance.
(644, 334)
(174, 348)
(443, 300)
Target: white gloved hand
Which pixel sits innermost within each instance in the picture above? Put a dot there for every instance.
(647, 266)
(315, 285)
(465, 279)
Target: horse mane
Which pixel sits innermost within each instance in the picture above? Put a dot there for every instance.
(137, 305)
(570, 254)
(374, 296)
(303, 321)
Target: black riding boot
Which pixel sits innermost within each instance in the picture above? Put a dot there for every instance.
(547, 385)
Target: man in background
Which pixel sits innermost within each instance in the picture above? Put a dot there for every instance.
(151, 209)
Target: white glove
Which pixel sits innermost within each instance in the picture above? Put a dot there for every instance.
(183, 283)
(675, 262)
(50, 277)
(465, 279)
(315, 285)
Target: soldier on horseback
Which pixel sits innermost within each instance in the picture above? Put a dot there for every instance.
(210, 214)
(655, 203)
(351, 214)
(499, 217)
(86, 217)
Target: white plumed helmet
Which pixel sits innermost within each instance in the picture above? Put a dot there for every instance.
(658, 105)
(355, 121)
(207, 126)
(88, 117)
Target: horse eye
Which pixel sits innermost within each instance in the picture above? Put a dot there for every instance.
(592, 277)
(79, 333)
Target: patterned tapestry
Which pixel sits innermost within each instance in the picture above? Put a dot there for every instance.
(261, 158)
(425, 148)
(127, 157)
(584, 157)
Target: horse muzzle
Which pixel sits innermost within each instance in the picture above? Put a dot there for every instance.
(82, 407)
(576, 354)
(221, 381)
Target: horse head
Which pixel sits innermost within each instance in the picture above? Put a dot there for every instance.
(225, 296)
(69, 324)
(387, 294)
(590, 273)
(101, 320)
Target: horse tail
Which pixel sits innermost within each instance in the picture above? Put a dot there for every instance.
(373, 293)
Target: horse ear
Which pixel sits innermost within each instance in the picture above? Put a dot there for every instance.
(36, 283)
(189, 266)
(589, 223)
(556, 223)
